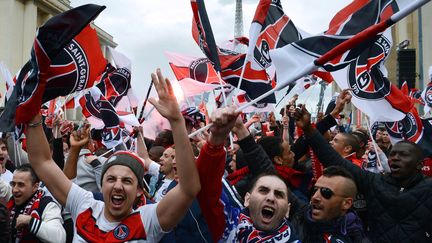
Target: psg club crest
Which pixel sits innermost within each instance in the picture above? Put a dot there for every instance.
(262, 54)
(365, 77)
(199, 69)
(121, 232)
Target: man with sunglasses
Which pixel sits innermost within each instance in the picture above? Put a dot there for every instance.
(399, 204)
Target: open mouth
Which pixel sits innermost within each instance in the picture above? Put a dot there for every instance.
(316, 209)
(117, 200)
(395, 167)
(267, 213)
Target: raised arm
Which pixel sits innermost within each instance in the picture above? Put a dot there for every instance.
(211, 166)
(57, 142)
(172, 208)
(142, 148)
(43, 164)
(77, 140)
(256, 158)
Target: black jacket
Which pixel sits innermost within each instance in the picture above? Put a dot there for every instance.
(395, 214)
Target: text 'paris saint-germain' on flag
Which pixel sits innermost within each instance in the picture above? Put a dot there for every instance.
(360, 68)
(228, 63)
(66, 57)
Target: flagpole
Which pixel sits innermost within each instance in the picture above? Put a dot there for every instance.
(145, 102)
(373, 143)
(64, 105)
(242, 72)
(357, 39)
(226, 105)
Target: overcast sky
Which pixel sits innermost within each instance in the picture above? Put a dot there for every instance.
(145, 29)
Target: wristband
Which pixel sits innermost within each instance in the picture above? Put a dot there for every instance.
(35, 124)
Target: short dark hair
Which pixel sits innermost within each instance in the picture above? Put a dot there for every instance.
(337, 171)
(271, 145)
(382, 129)
(352, 141)
(254, 180)
(332, 171)
(362, 137)
(417, 150)
(28, 168)
(164, 138)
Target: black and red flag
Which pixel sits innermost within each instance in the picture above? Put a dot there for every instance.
(66, 57)
(228, 63)
(271, 28)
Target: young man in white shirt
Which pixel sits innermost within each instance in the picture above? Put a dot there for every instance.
(114, 219)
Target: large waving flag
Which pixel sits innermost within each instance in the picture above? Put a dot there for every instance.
(361, 67)
(228, 63)
(66, 57)
(271, 28)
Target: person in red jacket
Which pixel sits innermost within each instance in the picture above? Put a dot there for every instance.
(266, 202)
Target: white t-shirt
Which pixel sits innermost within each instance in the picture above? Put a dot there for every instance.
(142, 225)
(7, 176)
(163, 190)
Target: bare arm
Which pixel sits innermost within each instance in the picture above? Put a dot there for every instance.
(285, 131)
(254, 118)
(40, 159)
(172, 208)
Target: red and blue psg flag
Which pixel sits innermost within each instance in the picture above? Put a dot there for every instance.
(66, 57)
(228, 63)
(271, 28)
(205, 38)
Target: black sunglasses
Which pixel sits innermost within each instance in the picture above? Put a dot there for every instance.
(327, 193)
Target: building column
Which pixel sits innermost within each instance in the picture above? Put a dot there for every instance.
(29, 28)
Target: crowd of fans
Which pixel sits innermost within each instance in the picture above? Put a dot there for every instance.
(279, 181)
